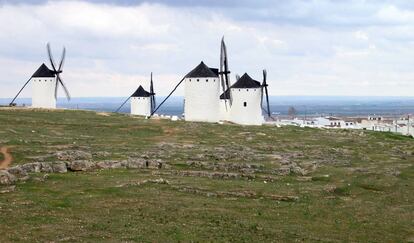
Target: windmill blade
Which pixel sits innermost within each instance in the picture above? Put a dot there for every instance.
(265, 88)
(152, 94)
(225, 62)
(166, 98)
(263, 84)
(223, 85)
(49, 52)
(237, 77)
(116, 111)
(63, 86)
(15, 97)
(267, 101)
(62, 59)
(56, 87)
(224, 70)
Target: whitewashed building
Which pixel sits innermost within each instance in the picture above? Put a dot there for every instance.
(246, 96)
(43, 88)
(201, 92)
(141, 102)
(334, 122)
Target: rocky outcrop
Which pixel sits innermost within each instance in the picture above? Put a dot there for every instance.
(6, 178)
(226, 166)
(80, 165)
(72, 155)
(59, 167)
(21, 172)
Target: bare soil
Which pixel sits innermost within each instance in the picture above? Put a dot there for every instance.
(8, 158)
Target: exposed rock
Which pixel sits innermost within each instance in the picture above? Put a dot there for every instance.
(284, 170)
(71, 155)
(110, 164)
(292, 168)
(215, 175)
(6, 178)
(102, 154)
(32, 167)
(154, 181)
(59, 167)
(46, 167)
(133, 163)
(155, 164)
(18, 172)
(80, 165)
(242, 167)
(298, 170)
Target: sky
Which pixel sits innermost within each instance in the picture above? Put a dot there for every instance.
(322, 48)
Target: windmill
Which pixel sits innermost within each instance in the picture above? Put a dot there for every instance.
(45, 93)
(142, 101)
(264, 88)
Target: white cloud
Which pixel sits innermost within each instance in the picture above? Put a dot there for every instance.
(311, 48)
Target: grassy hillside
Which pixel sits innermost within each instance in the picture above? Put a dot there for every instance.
(220, 182)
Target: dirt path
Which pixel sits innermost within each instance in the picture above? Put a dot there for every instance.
(8, 158)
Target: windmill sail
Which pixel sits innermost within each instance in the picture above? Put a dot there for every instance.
(57, 72)
(264, 88)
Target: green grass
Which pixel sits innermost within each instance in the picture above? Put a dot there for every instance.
(361, 190)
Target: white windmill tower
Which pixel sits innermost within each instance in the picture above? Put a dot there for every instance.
(45, 83)
(246, 108)
(142, 101)
(201, 90)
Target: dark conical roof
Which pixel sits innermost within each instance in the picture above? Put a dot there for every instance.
(43, 72)
(202, 71)
(246, 82)
(225, 95)
(141, 92)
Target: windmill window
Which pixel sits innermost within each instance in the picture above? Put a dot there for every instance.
(198, 80)
(239, 89)
(245, 104)
(247, 90)
(206, 80)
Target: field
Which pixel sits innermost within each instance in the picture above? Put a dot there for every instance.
(214, 183)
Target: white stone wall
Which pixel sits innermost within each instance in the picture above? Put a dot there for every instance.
(202, 99)
(141, 106)
(43, 93)
(224, 110)
(246, 107)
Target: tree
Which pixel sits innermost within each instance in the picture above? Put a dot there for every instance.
(292, 112)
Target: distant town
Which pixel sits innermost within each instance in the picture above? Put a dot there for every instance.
(401, 125)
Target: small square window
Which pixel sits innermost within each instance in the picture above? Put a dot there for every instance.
(206, 80)
(198, 80)
(245, 104)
